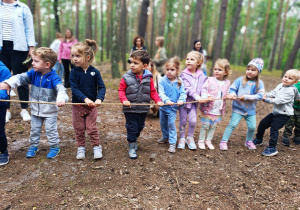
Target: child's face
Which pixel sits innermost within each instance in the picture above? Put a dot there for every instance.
(191, 62)
(171, 72)
(219, 72)
(77, 59)
(38, 64)
(288, 80)
(137, 66)
(251, 72)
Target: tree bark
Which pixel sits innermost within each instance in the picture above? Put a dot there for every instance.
(218, 44)
(115, 48)
(162, 18)
(234, 26)
(123, 33)
(88, 19)
(143, 18)
(96, 22)
(152, 28)
(102, 28)
(265, 29)
(56, 16)
(108, 28)
(197, 22)
(39, 36)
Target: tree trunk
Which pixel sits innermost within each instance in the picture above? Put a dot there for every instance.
(197, 22)
(102, 28)
(152, 28)
(143, 18)
(39, 36)
(56, 23)
(265, 29)
(162, 17)
(245, 33)
(115, 48)
(88, 19)
(123, 33)
(234, 26)
(279, 59)
(108, 35)
(218, 44)
(77, 19)
(186, 47)
(96, 22)
(180, 42)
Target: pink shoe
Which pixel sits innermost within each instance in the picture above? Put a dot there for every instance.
(223, 145)
(250, 145)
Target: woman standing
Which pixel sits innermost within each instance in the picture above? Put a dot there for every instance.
(17, 42)
(138, 44)
(198, 47)
(161, 55)
(64, 54)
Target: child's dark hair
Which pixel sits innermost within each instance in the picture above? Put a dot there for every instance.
(142, 55)
(86, 49)
(135, 40)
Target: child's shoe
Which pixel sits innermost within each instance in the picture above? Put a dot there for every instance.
(201, 145)
(181, 143)
(163, 140)
(209, 145)
(172, 148)
(4, 158)
(270, 151)
(25, 115)
(191, 143)
(12, 93)
(32, 151)
(223, 145)
(297, 140)
(250, 145)
(7, 117)
(286, 141)
(132, 150)
(97, 152)
(257, 141)
(80, 153)
(54, 151)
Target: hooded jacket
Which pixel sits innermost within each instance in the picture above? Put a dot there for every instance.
(4, 75)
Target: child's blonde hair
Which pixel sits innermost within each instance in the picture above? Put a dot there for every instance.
(293, 73)
(176, 62)
(199, 57)
(46, 54)
(245, 79)
(224, 64)
(86, 49)
(161, 41)
(153, 70)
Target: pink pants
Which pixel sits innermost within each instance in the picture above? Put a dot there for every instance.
(184, 113)
(85, 119)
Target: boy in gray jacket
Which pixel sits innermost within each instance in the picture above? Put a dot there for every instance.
(282, 98)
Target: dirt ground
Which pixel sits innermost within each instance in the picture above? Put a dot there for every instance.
(233, 179)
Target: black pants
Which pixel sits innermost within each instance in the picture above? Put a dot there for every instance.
(13, 59)
(66, 63)
(275, 122)
(3, 140)
(135, 123)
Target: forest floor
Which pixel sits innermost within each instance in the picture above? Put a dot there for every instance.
(235, 179)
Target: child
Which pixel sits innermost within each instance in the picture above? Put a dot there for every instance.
(249, 89)
(4, 157)
(87, 86)
(193, 80)
(293, 122)
(171, 90)
(282, 98)
(46, 86)
(156, 77)
(212, 112)
(137, 86)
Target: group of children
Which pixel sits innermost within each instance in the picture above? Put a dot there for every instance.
(189, 92)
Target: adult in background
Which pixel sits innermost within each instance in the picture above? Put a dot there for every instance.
(58, 67)
(161, 55)
(17, 42)
(138, 44)
(64, 54)
(198, 47)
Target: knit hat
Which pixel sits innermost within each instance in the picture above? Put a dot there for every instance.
(258, 63)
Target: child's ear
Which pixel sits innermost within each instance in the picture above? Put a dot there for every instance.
(88, 57)
(48, 65)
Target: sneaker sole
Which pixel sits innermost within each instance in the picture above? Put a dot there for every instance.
(223, 149)
(2, 164)
(250, 148)
(260, 144)
(97, 158)
(133, 157)
(269, 155)
(285, 144)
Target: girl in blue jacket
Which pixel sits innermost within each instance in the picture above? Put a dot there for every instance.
(171, 90)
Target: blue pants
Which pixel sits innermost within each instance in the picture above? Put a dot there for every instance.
(59, 68)
(3, 139)
(135, 122)
(234, 121)
(167, 125)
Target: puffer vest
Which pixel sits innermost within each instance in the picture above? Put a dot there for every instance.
(137, 92)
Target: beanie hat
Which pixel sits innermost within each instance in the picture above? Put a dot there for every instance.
(258, 63)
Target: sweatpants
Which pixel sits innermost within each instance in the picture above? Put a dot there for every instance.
(3, 139)
(167, 125)
(184, 113)
(294, 122)
(135, 123)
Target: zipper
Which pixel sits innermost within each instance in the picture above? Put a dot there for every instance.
(39, 94)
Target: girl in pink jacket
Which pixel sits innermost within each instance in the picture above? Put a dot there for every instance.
(212, 112)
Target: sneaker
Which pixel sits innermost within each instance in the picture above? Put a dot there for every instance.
(250, 145)
(163, 140)
(270, 151)
(181, 143)
(201, 145)
(132, 151)
(172, 148)
(54, 151)
(297, 140)
(4, 158)
(191, 143)
(223, 145)
(32, 151)
(286, 141)
(7, 117)
(25, 115)
(97, 152)
(257, 141)
(80, 153)
(209, 145)
(12, 93)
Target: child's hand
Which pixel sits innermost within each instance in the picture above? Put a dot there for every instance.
(230, 97)
(170, 103)
(127, 103)
(205, 100)
(98, 102)
(5, 86)
(179, 103)
(242, 98)
(89, 102)
(60, 103)
(211, 98)
(265, 96)
(160, 103)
